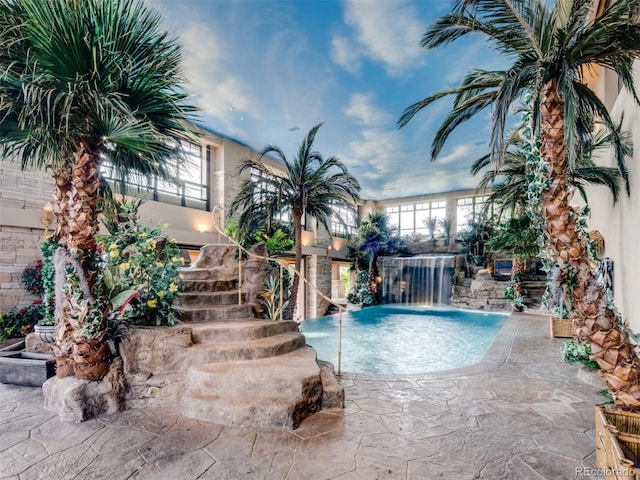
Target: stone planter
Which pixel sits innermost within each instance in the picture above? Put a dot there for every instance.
(617, 443)
(23, 368)
(46, 333)
(352, 307)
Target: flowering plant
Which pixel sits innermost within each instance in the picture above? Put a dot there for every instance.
(139, 259)
(20, 321)
(32, 279)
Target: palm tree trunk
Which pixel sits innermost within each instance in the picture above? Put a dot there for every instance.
(591, 317)
(297, 229)
(77, 223)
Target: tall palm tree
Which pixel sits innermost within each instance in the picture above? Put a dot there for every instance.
(310, 185)
(510, 194)
(550, 50)
(82, 83)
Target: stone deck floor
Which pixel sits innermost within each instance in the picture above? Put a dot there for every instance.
(519, 414)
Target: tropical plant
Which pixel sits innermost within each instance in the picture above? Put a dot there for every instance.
(575, 352)
(310, 185)
(270, 299)
(447, 225)
(375, 237)
(432, 225)
(361, 291)
(474, 236)
(85, 83)
(518, 236)
(141, 263)
(277, 242)
(550, 50)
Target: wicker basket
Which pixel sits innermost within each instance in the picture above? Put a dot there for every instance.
(617, 443)
(561, 327)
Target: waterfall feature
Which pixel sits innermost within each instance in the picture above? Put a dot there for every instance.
(422, 279)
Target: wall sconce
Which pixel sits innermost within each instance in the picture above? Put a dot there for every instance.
(378, 280)
(47, 210)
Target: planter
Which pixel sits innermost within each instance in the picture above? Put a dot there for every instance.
(560, 327)
(352, 307)
(46, 333)
(617, 443)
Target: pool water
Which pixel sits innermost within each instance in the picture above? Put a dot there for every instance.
(404, 339)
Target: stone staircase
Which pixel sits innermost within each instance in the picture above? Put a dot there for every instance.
(245, 371)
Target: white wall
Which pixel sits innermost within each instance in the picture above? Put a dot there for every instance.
(620, 225)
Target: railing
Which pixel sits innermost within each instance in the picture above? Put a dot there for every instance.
(217, 213)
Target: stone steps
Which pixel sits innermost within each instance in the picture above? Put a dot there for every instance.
(236, 331)
(210, 285)
(271, 392)
(290, 375)
(244, 371)
(208, 299)
(217, 313)
(272, 346)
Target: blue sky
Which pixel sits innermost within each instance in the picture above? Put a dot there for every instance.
(265, 72)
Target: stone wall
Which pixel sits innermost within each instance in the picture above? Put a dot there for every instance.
(22, 196)
(482, 293)
(155, 362)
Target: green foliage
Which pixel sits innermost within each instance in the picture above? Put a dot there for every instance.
(447, 226)
(140, 275)
(270, 299)
(20, 321)
(518, 236)
(474, 237)
(277, 242)
(432, 226)
(48, 249)
(376, 237)
(516, 298)
(32, 279)
(361, 291)
(97, 74)
(574, 352)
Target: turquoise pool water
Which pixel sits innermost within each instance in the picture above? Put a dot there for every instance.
(404, 339)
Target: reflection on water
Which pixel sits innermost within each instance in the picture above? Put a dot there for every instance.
(404, 340)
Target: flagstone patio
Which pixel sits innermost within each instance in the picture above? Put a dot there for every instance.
(519, 414)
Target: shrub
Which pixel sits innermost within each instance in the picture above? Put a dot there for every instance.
(20, 321)
(139, 259)
(361, 292)
(32, 279)
(574, 352)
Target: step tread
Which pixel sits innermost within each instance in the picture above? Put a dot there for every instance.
(259, 342)
(304, 354)
(239, 324)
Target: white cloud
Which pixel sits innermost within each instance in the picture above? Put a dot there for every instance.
(220, 93)
(459, 153)
(387, 32)
(362, 109)
(345, 53)
(377, 150)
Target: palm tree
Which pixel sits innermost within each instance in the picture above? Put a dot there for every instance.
(550, 50)
(83, 83)
(310, 185)
(510, 194)
(376, 237)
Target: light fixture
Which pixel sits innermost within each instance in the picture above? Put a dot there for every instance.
(47, 210)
